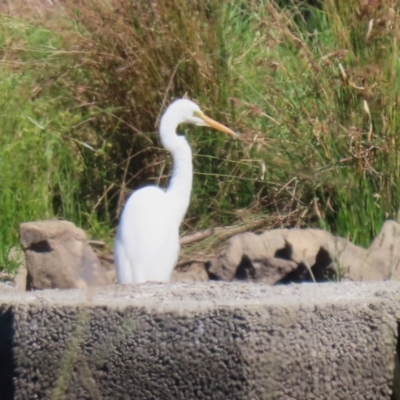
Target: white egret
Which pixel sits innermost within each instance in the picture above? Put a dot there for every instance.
(147, 243)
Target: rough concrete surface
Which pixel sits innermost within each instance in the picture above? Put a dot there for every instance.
(204, 340)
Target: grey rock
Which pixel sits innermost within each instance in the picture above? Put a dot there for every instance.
(195, 272)
(58, 256)
(288, 255)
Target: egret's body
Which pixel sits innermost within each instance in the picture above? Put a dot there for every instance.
(147, 243)
(154, 248)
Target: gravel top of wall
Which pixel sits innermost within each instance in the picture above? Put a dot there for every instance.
(190, 294)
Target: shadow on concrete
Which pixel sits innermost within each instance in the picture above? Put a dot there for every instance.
(6, 359)
(396, 377)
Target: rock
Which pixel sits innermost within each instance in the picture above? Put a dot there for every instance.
(267, 270)
(385, 250)
(245, 244)
(58, 256)
(108, 265)
(21, 278)
(381, 261)
(195, 272)
(273, 254)
(16, 255)
(7, 287)
(351, 262)
(288, 255)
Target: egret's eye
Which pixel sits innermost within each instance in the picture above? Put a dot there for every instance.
(197, 114)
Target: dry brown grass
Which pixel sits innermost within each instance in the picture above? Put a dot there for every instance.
(134, 58)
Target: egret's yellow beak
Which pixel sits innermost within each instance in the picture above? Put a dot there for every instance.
(216, 125)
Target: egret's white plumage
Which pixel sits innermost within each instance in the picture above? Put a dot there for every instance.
(147, 242)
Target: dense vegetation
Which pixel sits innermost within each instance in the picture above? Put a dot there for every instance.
(313, 89)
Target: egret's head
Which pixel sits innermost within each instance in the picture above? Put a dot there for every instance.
(190, 113)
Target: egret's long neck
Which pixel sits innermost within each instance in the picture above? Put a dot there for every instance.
(180, 186)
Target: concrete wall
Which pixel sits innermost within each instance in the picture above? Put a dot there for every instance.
(201, 341)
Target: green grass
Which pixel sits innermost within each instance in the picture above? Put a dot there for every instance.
(313, 91)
